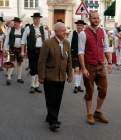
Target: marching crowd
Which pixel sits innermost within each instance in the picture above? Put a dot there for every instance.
(55, 58)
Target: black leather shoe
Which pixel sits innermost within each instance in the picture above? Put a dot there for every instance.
(53, 127)
(37, 90)
(47, 121)
(58, 122)
(76, 90)
(32, 90)
(8, 82)
(80, 89)
(20, 81)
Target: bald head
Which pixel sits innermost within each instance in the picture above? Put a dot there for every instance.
(59, 25)
(60, 30)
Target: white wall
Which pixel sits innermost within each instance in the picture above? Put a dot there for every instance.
(11, 11)
(42, 8)
(118, 12)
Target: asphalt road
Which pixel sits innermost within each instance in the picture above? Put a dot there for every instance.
(22, 115)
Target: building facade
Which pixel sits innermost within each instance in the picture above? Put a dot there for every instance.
(66, 10)
(118, 12)
(50, 9)
(22, 8)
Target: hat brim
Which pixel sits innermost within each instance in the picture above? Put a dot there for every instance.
(16, 20)
(80, 23)
(37, 16)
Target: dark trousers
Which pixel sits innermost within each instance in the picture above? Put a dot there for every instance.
(33, 57)
(53, 96)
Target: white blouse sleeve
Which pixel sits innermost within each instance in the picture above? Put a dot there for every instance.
(25, 34)
(81, 42)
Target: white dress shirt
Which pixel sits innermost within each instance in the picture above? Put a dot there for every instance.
(82, 42)
(37, 34)
(1, 37)
(60, 44)
(17, 40)
(69, 38)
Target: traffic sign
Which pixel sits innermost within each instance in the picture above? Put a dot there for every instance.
(82, 9)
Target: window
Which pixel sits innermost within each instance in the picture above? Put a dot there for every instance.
(30, 3)
(4, 3)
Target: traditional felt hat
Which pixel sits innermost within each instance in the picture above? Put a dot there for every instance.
(36, 15)
(17, 19)
(80, 22)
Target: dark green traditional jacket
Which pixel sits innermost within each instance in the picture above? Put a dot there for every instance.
(31, 39)
(12, 37)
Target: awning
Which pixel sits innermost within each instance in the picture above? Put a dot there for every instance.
(110, 11)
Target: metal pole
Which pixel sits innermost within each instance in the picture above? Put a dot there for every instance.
(82, 13)
(105, 5)
(18, 12)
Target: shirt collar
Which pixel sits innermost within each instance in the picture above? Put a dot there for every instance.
(59, 41)
(94, 29)
(36, 26)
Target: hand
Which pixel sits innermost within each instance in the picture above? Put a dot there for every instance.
(69, 79)
(5, 53)
(22, 54)
(85, 72)
(41, 81)
(109, 68)
(22, 50)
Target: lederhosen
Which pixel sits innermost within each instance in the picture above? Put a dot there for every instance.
(33, 52)
(74, 50)
(15, 53)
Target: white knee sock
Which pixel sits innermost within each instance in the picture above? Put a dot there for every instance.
(1, 62)
(79, 80)
(76, 80)
(19, 71)
(33, 81)
(36, 81)
(9, 73)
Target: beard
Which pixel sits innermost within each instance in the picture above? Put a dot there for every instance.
(95, 23)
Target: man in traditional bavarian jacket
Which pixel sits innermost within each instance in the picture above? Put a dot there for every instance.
(34, 35)
(13, 44)
(93, 45)
(54, 69)
(73, 39)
